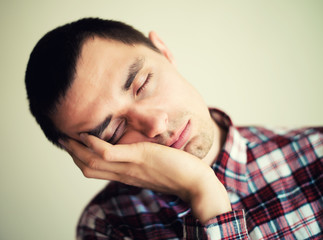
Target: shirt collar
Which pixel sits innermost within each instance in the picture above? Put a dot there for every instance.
(230, 164)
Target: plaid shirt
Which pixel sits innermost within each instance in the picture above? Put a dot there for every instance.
(273, 178)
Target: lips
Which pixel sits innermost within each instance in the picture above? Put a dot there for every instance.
(181, 137)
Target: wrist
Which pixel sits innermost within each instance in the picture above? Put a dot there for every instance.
(209, 199)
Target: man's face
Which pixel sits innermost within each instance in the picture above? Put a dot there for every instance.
(127, 94)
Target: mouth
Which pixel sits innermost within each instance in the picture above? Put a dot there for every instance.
(181, 136)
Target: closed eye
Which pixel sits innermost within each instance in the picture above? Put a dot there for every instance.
(143, 86)
(118, 132)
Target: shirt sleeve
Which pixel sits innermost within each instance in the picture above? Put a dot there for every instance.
(230, 225)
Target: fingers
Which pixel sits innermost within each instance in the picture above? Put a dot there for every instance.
(92, 164)
(84, 156)
(94, 173)
(96, 144)
(94, 168)
(114, 172)
(99, 146)
(101, 160)
(93, 149)
(112, 153)
(75, 148)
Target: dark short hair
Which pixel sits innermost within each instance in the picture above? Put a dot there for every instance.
(52, 64)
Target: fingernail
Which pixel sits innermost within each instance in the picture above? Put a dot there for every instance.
(82, 136)
(62, 143)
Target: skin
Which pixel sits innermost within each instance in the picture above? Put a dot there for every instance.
(161, 124)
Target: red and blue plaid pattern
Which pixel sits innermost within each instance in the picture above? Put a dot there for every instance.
(274, 179)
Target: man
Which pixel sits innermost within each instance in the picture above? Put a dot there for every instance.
(178, 170)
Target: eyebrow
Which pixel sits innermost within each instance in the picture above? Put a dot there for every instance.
(133, 70)
(98, 130)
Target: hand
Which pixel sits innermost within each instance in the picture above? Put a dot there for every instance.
(151, 166)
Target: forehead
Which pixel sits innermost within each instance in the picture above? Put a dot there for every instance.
(102, 56)
(103, 63)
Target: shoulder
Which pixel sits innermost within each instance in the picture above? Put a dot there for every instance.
(299, 147)
(281, 136)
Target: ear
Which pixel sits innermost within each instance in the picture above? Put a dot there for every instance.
(158, 43)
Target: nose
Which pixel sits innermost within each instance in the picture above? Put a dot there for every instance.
(149, 120)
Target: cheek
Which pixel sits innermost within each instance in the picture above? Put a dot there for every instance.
(132, 136)
(177, 88)
(171, 91)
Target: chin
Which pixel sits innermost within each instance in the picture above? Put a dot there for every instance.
(199, 147)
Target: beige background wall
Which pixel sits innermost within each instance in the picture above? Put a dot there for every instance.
(260, 61)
